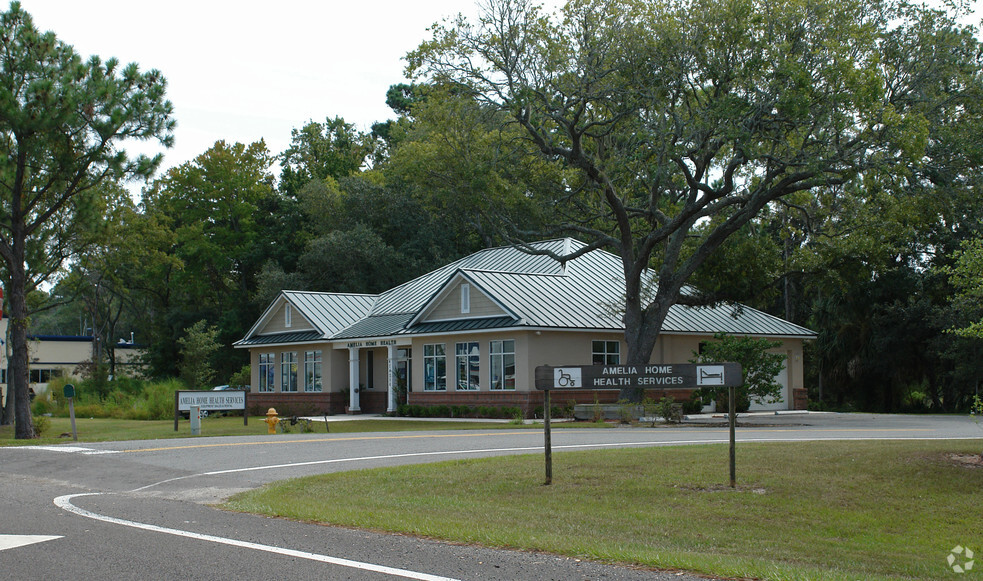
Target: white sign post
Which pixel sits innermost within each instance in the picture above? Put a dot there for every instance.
(195, 417)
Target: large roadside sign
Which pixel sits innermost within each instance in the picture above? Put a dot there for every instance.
(653, 376)
(228, 400)
(211, 400)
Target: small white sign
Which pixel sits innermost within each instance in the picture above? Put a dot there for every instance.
(709, 375)
(568, 377)
(212, 400)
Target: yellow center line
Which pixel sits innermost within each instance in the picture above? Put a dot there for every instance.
(480, 434)
(346, 439)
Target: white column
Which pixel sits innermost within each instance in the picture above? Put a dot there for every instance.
(392, 379)
(353, 380)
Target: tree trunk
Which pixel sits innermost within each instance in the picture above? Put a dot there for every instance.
(17, 369)
(642, 330)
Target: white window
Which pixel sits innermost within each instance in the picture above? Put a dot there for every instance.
(266, 373)
(288, 316)
(435, 367)
(606, 352)
(312, 371)
(465, 299)
(468, 375)
(502, 359)
(288, 371)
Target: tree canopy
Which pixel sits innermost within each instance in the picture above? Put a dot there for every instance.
(820, 161)
(680, 122)
(63, 122)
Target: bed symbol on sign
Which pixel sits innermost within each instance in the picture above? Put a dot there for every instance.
(567, 377)
(710, 375)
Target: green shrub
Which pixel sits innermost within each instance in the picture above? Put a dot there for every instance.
(242, 377)
(91, 410)
(128, 385)
(669, 411)
(568, 409)
(512, 412)
(693, 405)
(42, 404)
(157, 400)
(41, 424)
(625, 409)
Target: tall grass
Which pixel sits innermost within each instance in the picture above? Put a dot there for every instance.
(124, 398)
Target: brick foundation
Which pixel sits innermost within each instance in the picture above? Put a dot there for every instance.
(315, 404)
(528, 401)
(296, 404)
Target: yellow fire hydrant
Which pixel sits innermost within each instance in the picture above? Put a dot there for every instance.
(271, 421)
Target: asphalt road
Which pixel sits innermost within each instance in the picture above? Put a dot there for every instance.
(139, 510)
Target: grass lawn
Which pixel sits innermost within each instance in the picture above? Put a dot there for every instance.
(824, 510)
(105, 430)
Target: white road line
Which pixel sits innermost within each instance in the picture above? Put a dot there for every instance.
(531, 449)
(64, 502)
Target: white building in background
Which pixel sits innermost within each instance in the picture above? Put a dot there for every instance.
(62, 355)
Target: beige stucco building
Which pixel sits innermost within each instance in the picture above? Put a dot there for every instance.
(59, 355)
(473, 332)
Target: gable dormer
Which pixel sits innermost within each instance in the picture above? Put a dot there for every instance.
(286, 318)
(461, 299)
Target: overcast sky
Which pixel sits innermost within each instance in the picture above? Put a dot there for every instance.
(247, 70)
(244, 71)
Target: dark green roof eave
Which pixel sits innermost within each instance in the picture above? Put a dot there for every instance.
(280, 339)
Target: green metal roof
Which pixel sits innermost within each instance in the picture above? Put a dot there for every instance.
(584, 293)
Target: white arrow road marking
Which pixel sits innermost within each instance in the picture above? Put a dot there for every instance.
(14, 541)
(66, 449)
(65, 503)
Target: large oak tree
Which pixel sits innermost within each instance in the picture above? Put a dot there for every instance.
(680, 121)
(63, 125)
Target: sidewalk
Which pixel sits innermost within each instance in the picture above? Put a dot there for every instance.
(350, 417)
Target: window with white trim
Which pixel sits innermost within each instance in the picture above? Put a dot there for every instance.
(312, 371)
(288, 316)
(468, 373)
(502, 359)
(288, 371)
(606, 352)
(435, 367)
(266, 373)
(465, 299)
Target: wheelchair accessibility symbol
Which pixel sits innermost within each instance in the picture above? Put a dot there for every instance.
(567, 377)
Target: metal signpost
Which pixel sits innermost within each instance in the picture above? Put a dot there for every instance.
(651, 376)
(69, 392)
